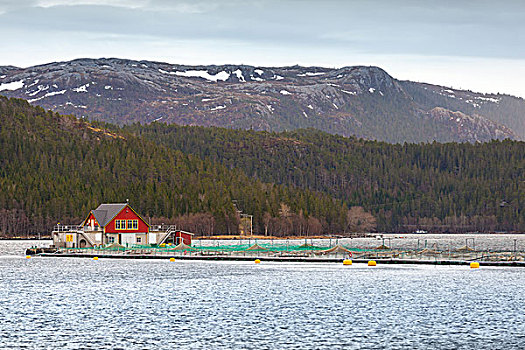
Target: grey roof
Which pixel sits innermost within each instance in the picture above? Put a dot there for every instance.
(105, 212)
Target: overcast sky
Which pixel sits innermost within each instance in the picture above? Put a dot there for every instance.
(470, 44)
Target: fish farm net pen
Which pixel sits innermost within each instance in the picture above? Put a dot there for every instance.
(268, 249)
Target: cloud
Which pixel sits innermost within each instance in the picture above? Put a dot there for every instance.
(285, 31)
(187, 7)
(113, 3)
(184, 6)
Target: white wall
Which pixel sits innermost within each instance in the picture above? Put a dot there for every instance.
(127, 239)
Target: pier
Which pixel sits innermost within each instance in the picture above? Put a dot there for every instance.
(284, 259)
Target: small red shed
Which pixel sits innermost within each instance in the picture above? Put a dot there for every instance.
(183, 236)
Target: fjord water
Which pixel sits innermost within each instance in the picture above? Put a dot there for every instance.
(68, 303)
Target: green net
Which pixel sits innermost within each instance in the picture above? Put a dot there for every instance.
(227, 248)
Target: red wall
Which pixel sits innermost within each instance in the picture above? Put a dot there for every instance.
(127, 214)
(186, 238)
(88, 220)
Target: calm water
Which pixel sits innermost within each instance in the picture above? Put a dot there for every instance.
(61, 303)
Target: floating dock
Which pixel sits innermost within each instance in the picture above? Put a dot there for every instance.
(286, 252)
(287, 259)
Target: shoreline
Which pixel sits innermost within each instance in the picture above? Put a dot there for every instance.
(278, 238)
(42, 238)
(352, 235)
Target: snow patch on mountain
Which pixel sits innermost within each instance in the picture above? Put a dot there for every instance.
(310, 74)
(61, 92)
(471, 102)
(34, 83)
(39, 89)
(82, 88)
(166, 72)
(14, 85)
(49, 94)
(239, 75)
(75, 106)
(203, 74)
(488, 99)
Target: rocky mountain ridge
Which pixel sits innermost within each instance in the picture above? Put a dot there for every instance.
(362, 101)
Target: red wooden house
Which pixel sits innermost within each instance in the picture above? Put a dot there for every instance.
(119, 224)
(116, 223)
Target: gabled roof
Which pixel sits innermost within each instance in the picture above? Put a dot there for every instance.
(106, 212)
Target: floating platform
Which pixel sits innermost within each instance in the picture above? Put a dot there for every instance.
(380, 261)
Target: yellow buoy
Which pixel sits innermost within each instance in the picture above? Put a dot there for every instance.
(28, 256)
(372, 263)
(257, 261)
(474, 265)
(172, 259)
(347, 262)
(95, 258)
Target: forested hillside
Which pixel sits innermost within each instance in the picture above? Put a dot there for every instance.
(447, 187)
(57, 168)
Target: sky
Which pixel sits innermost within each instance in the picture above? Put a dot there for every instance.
(466, 44)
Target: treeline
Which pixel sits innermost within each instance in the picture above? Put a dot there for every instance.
(450, 187)
(284, 223)
(57, 168)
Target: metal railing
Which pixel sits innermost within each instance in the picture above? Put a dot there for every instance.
(162, 228)
(67, 228)
(169, 230)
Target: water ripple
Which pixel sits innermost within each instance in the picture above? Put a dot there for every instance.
(62, 303)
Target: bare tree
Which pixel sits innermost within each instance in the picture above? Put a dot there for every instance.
(313, 226)
(266, 221)
(360, 221)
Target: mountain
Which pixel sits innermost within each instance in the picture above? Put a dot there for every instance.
(351, 101)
